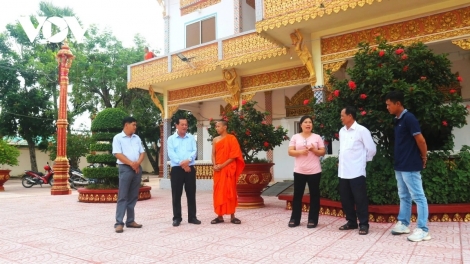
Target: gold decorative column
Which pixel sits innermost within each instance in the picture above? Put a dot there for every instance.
(268, 101)
(61, 166)
(462, 43)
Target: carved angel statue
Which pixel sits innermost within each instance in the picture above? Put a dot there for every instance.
(303, 53)
(230, 77)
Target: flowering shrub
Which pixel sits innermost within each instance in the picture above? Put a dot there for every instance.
(8, 154)
(251, 129)
(416, 71)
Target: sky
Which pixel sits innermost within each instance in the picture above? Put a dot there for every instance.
(124, 18)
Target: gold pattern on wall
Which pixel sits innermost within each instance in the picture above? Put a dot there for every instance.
(332, 68)
(295, 106)
(172, 110)
(189, 6)
(156, 101)
(304, 54)
(203, 58)
(233, 87)
(462, 43)
(273, 80)
(442, 26)
(248, 48)
(248, 96)
(197, 93)
(279, 13)
(225, 109)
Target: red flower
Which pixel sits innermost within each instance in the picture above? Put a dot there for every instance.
(243, 102)
(225, 118)
(326, 142)
(235, 107)
(404, 57)
(322, 126)
(336, 135)
(266, 144)
(444, 123)
(363, 113)
(336, 93)
(360, 108)
(264, 122)
(381, 53)
(248, 132)
(306, 102)
(363, 96)
(459, 79)
(352, 85)
(330, 98)
(468, 106)
(399, 51)
(210, 119)
(452, 91)
(405, 68)
(423, 78)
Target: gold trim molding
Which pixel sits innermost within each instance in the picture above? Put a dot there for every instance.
(172, 110)
(189, 6)
(332, 67)
(197, 93)
(278, 13)
(156, 101)
(248, 96)
(295, 106)
(462, 43)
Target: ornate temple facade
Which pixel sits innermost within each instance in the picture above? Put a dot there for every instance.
(279, 53)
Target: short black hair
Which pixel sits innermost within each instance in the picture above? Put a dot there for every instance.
(396, 96)
(128, 120)
(302, 119)
(225, 123)
(180, 118)
(350, 110)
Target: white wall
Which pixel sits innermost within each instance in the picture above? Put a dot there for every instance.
(224, 12)
(248, 17)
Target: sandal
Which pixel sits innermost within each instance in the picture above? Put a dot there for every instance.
(347, 227)
(217, 220)
(311, 225)
(363, 230)
(292, 223)
(235, 221)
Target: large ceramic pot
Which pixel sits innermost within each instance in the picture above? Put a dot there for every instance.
(4, 176)
(252, 181)
(108, 196)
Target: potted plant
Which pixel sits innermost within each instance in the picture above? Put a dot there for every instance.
(8, 156)
(254, 135)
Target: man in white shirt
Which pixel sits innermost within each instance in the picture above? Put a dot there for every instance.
(356, 148)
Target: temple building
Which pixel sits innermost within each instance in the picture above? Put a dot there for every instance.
(280, 52)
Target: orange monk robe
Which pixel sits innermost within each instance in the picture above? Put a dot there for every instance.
(225, 180)
(149, 55)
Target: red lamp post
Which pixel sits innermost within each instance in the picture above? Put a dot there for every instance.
(61, 166)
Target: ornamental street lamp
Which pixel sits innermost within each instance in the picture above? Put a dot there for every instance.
(61, 166)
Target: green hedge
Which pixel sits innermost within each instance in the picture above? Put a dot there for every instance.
(444, 180)
(101, 147)
(101, 158)
(103, 136)
(109, 120)
(103, 178)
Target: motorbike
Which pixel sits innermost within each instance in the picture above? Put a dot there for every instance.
(32, 178)
(76, 178)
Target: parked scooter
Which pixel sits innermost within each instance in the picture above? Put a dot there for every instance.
(76, 178)
(32, 178)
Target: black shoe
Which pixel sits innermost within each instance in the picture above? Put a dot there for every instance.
(292, 223)
(194, 221)
(176, 222)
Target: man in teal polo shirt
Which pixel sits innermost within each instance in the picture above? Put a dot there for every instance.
(410, 158)
(127, 148)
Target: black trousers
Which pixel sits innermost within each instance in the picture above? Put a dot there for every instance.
(180, 179)
(313, 182)
(354, 200)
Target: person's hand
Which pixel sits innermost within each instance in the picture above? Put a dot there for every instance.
(304, 151)
(184, 163)
(425, 159)
(135, 166)
(186, 168)
(312, 147)
(217, 167)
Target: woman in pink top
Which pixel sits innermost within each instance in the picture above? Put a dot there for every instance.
(307, 148)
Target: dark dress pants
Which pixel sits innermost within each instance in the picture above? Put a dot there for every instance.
(180, 179)
(128, 194)
(313, 182)
(354, 200)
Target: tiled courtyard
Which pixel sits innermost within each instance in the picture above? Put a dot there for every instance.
(36, 227)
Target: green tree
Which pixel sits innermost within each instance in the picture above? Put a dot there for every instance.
(78, 145)
(192, 121)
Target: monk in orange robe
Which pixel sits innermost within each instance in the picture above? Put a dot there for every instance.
(228, 164)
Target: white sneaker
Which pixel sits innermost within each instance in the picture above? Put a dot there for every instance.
(419, 235)
(400, 228)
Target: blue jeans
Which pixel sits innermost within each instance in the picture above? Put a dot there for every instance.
(410, 187)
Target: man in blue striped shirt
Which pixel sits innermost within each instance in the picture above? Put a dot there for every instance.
(127, 148)
(182, 153)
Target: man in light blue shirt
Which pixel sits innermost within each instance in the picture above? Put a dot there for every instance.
(127, 148)
(182, 153)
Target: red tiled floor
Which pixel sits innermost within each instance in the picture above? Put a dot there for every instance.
(36, 227)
